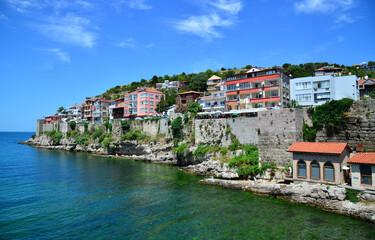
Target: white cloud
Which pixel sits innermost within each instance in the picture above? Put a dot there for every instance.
(345, 18)
(209, 26)
(2, 16)
(139, 4)
(231, 6)
(323, 6)
(70, 30)
(63, 56)
(132, 43)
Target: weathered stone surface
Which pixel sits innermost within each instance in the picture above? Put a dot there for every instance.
(212, 168)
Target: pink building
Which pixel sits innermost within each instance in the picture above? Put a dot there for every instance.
(142, 102)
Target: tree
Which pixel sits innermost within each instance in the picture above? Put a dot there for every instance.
(161, 106)
(199, 82)
(177, 128)
(194, 108)
(294, 104)
(231, 73)
(371, 63)
(248, 66)
(125, 125)
(372, 94)
(60, 109)
(73, 125)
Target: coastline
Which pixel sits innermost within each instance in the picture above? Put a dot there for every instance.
(327, 197)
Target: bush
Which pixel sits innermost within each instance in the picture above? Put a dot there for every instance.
(106, 124)
(309, 133)
(235, 145)
(51, 133)
(69, 134)
(177, 128)
(74, 133)
(92, 129)
(101, 138)
(194, 108)
(58, 137)
(135, 135)
(33, 136)
(86, 126)
(186, 117)
(81, 140)
(201, 151)
(110, 127)
(352, 195)
(97, 133)
(73, 125)
(181, 150)
(125, 125)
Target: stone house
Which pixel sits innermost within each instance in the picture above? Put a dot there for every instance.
(362, 167)
(183, 99)
(320, 162)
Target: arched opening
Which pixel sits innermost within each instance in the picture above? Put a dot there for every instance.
(315, 170)
(301, 169)
(329, 172)
(366, 175)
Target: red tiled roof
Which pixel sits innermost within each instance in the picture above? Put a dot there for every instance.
(104, 100)
(328, 68)
(365, 158)
(362, 81)
(76, 105)
(318, 147)
(147, 90)
(190, 92)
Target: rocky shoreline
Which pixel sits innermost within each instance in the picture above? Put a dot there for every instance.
(329, 198)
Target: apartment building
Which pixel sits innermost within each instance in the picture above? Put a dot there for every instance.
(74, 112)
(142, 102)
(308, 91)
(183, 99)
(101, 110)
(329, 70)
(176, 85)
(257, 88)
(88, 108)
(217, 95)
(116, 109)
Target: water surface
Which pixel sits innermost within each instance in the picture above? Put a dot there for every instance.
(46, 194)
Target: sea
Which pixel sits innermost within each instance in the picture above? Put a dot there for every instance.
(49, 194)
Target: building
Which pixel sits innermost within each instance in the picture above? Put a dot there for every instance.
(176, 85)
(308, 91)
(329, 70)
(183, 99)
(142, 102)
(52, 119)
(320, 162)
(88, 108)
(100, 111)
(364, 66)
(362, 166)
(116, 109)
(217, 98)
(257, 88)
(366, 86)
(74, 112)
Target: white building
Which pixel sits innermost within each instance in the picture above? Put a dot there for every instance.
(317, 90)
(74, 112)
(216, 101)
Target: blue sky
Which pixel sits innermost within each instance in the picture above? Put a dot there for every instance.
(55, 53)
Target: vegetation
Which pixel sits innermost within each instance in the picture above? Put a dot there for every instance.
(58, 136)
(181, 150)
(125, 125)
(86, 126)
(97, 133)
(352, 195)
(201, 150)
(167, 102)
(81, 140)
(294, 104)
(135, 135)
(73, 125)
(177, 128)
(330, 114)
(194, 108)
(60, 109)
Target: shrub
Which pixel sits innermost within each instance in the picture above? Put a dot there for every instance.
(73, 125)
(125, 125)
(74, 133)
(97, 133)
(223, 151)
(51, 133)
(33, 136)
(177, 128)
(101, 138)
(181, 150)
(86, 126)
(309, 133)
(106, 124)
(92, 129)
(107, 142)
(69, 134)
(352, 195)
(81, 140)
(201, 151)
(58, 137)
(186, 117)
(194, 108)
(235, 145)
(110, 127)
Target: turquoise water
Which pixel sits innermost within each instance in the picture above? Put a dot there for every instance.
(47, 194)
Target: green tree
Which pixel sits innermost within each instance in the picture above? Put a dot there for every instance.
(60, 109)
(161, 106)
(73, 125)
(372, 94)
(371, 63)
(248, 66)
(177, 128)
(125, 125)
(199, 82)
(194, 108)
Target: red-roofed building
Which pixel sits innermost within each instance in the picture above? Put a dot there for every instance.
(183, 99)
(366, 86)
(142, 102)
(52, 119)
(320, 162)
(329, 70)
(362, 167)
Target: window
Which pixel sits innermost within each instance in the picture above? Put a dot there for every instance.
(126, 98)
(322, 96)
(157, 96)
(329, 172)
(303, 97)
(143, 95)
(303, 85)
(315, 170)
(151, 95)
(301, 169)
(126, 111)
(366, 178)
(151, 103)
(245, 85)
(322, 84)
(143, 110)
(144, 102)
(231, 87)
(125, 104)
(151, 110)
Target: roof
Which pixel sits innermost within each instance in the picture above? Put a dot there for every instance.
(53, 116)
(214, 77)
(328, 68)
(365, 158)
(318, 147)
(76, 105)
(146, 89)
(104, 100)
(189, 92)
(364, 82)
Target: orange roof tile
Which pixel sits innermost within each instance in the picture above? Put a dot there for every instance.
(318, 147)
(362, 81)
(190, 92)
(365, 158)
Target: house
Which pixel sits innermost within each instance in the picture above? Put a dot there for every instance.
(183, 99)
(100, 111)
(176, 85)
(116, 109)
(362, 166)
(329, 70)
(364, 66)
(52, 119)
(308, 91)
(366, 86)
(257, 88)
(142, 102)
(320, 162)
(74, 112)
(217, 98)
(89, 107)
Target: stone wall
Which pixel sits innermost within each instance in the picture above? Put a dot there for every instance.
(245, 129)
(211, 131)
(360, 131)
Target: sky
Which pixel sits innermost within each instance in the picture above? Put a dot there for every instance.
(57, 52)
